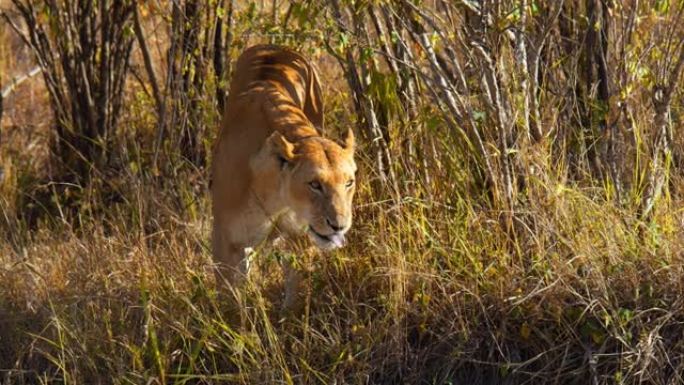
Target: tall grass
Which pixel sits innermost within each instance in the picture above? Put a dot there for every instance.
(435, 293)
(461, 268)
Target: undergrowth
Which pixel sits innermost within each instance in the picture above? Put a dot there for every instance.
(426, 292)
(514, 262)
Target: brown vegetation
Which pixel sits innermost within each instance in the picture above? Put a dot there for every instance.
(519, 213)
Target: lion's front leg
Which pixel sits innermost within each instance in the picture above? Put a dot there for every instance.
(234, 236)
(230, 258)
(230, 265)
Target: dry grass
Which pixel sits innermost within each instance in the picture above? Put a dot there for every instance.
(429, 295)
(426, 293)
(432, 289)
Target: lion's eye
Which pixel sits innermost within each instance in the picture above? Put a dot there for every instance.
(316, 186)
(349, 183)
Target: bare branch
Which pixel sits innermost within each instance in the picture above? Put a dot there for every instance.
(147, 59)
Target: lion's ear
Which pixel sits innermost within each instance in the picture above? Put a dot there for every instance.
(349, 141)
(281, 147)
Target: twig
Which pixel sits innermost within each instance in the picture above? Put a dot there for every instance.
(147, 59)
(8, 89)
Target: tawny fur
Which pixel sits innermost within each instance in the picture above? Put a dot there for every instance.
(273, 171)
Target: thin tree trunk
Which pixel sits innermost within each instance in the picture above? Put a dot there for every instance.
(219, 52)
(149, 67)
(530, 128)
(84, 54)
(364, 105)
(662, 147)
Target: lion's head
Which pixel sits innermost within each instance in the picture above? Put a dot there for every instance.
(317, 184)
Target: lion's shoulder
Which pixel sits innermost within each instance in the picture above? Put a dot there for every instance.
(284, 70)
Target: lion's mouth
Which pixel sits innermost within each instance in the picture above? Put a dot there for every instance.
(331, 241)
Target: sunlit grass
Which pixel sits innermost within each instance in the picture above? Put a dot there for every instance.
(113, 283)
(428, 292)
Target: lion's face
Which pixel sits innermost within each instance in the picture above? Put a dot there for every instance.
(318, 184)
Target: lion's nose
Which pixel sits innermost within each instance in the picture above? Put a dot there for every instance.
(334, 224)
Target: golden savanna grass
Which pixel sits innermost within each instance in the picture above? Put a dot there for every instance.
(433, 288)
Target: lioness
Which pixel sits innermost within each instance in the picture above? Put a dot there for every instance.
(272, 168)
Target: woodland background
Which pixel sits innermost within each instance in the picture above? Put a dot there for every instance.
(519, 215)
